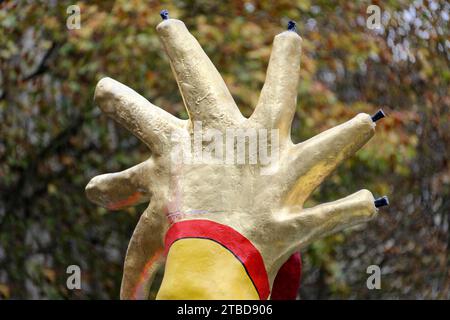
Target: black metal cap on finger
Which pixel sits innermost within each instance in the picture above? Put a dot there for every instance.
(379, 115)
(292, 26)
(381, 202)
(164, 14)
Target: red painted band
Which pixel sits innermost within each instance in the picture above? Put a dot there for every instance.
(235, 242)
(287, 281)
(132, 199)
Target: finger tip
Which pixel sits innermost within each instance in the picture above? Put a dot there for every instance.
(103, 88)
(169, 26)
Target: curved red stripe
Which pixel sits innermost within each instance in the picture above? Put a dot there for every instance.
(287, 281)
(239, 245)
(132, 199)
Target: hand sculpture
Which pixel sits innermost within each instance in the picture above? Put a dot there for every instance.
(224, 228)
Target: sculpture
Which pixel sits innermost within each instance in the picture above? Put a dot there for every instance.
(224, 229)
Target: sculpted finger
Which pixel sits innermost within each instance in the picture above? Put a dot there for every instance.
(278, 99)
(146, 121)
(118, 190)
(203, 90)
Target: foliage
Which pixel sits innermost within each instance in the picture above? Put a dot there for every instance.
(54, 139)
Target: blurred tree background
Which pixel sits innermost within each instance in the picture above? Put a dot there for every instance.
(53, 138)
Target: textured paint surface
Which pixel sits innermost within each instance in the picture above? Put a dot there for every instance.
(267, 210)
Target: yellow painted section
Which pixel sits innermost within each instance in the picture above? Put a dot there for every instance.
(201, 269)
